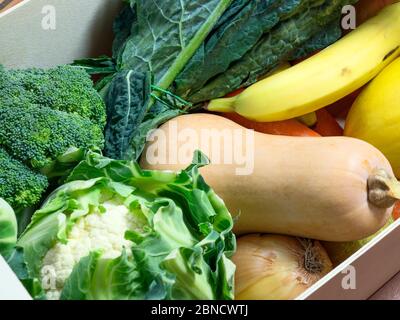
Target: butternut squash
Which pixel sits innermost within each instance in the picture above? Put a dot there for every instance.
(332, 189)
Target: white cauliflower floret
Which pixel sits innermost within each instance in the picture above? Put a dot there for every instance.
(96, 231)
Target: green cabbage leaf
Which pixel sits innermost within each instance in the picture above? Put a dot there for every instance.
(8, 228)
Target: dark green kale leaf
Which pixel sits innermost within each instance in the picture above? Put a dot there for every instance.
(283, 42)
(127, 102)
(241, 27)
(156, 38)
(165, 35)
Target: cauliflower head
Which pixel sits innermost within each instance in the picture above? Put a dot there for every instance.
(98, 231)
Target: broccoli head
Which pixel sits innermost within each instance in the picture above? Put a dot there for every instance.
(64, 88)
(20, 186)
(48, 119)
(38, 136)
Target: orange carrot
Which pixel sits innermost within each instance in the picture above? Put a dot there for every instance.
(285, 128)
(327, 125)
(396, 211)
(235, 93)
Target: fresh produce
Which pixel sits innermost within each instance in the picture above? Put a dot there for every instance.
(20, 186)
(375, 114)
(77, 225)
(290, 127)
(340, 251)
(327, 125)
(114, 231)
(273, 267)
(48, 118)
(325, 77)
(44, 135)
(8, 228)
(310, 187)
(197, 51)
(227, 62)
(64, 88)
(168, 41)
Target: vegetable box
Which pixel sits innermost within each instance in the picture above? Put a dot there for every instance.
(44, 33)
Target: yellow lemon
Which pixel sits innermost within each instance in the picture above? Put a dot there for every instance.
(375, 115)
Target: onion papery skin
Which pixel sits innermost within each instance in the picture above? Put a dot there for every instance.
(273, 267)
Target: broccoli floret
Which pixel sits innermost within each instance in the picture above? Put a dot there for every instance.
(20, 186)
(38, 136)
(65, 88)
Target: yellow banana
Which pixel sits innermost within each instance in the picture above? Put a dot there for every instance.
(324, 78)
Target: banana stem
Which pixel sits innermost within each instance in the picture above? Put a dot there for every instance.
(222, 105)
(383, 190)
(309, 119)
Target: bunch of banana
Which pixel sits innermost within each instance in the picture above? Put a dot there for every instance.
(325, 77)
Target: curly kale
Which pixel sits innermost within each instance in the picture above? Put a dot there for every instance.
(64, 88)
(20, 186)
(38, 136)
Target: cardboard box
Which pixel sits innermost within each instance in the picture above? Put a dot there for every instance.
(44, 33)
(28, 37)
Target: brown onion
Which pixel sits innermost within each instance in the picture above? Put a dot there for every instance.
(274, 267)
